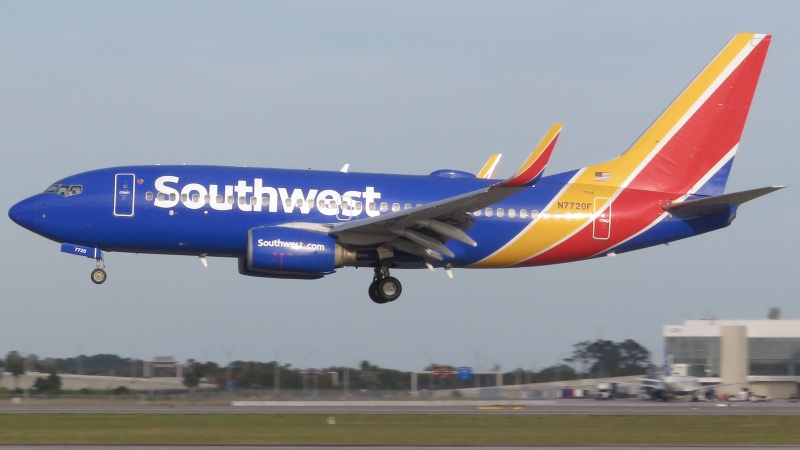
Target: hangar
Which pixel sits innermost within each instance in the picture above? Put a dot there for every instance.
(763, 355)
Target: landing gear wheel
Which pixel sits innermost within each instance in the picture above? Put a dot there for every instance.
(389, 289)
(98, 276)
(373, 293)
(384, 288)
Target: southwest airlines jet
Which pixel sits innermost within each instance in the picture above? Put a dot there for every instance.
(305, 224)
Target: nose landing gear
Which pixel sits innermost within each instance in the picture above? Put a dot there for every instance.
(384, 288)
(99, 274)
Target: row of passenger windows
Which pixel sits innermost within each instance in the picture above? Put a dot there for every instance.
(533, 214)
(511, 213)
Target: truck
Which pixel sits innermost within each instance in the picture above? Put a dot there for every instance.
(605, 391)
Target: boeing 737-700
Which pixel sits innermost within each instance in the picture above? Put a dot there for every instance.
(303, 224)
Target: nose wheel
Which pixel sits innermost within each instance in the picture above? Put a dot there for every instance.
(99, 274)
(384, 288)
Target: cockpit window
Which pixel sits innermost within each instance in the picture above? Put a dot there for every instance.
(65, 190)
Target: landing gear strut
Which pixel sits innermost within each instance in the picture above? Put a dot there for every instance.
(384, 288)
(98, 274)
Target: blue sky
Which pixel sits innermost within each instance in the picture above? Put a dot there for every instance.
(394, 87)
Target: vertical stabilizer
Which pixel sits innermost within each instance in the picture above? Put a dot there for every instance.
(689, 149)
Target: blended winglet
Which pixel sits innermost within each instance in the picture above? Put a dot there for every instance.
(488, 169)
(533, 168)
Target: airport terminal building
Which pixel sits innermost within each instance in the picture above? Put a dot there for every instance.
(763, 355)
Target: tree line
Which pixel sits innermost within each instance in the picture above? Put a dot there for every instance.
(589, 359)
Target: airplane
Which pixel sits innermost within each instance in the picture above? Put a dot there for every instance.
(668, 385)
(305, 224)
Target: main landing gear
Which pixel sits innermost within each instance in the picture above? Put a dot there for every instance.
(99, 274)
(384, 288)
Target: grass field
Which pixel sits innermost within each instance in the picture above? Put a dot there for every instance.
(397, 429)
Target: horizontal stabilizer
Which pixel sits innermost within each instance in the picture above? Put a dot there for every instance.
(718, 203)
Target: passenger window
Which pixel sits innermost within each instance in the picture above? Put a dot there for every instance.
(477, 213)
(489, 212)
(287, 203)
(372, 206)
(230, 199)
(206, 199)
(242, 200)
(218, 199)
(407, 206)
(195, 198)
(384, 206)
(321, 204)
(184, 197)
(523, 213)
(253, 201)
(512, 213)
(264, 201)
(534, 214)
(501, 212)
(395, 207)
(160, 196)
(148, 196)
(173, 197)
(358, 205)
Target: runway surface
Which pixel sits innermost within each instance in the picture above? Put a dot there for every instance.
(350, 447)
(583, 407)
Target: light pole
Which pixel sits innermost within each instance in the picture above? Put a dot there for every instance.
(305, 371)
(228, 382)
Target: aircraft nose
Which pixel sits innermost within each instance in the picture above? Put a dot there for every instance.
(24, 213)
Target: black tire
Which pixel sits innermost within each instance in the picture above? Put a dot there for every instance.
(373, 293)
(389, 289)
(98, 276)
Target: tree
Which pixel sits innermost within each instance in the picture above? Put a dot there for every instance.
(15, 364)
(50, 384)
(195, 372)
(610, 359)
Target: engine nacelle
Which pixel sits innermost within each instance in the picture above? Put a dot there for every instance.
(283, 252)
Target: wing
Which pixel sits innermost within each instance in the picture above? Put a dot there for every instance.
(423, 230)
(487, 171)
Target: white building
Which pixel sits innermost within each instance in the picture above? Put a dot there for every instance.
(763, 355)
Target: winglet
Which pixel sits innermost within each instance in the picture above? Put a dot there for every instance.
(530, 172)
(488, 169)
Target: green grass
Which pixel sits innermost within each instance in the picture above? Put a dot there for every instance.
(437, 429)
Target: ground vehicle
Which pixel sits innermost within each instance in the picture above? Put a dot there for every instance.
(606, 391)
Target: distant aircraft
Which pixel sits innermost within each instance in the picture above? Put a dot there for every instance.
(667, 385)
(305, 224)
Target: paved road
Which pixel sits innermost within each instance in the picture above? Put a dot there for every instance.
(346, 447)
(584, 407)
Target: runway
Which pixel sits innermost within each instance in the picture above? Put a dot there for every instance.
(578, 407)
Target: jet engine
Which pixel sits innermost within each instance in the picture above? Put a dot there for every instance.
(283, 252)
